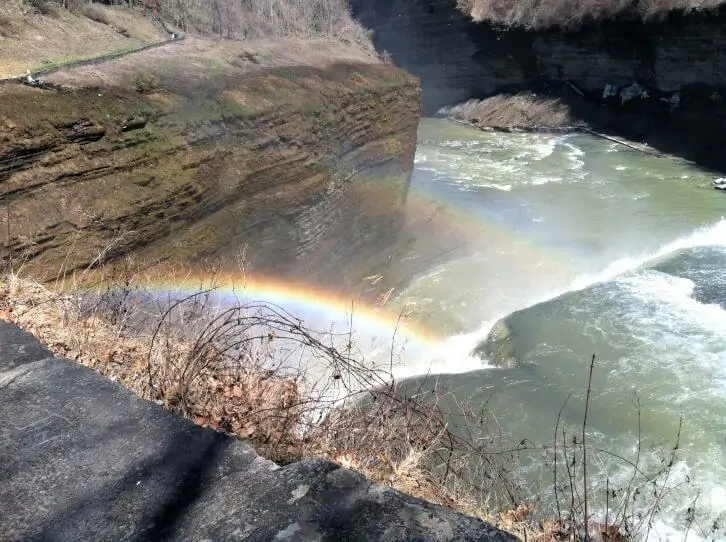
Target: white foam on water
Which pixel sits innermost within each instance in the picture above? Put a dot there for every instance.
(545, 148)
(613, 147)
(454, 354)
(661, 286)
(574, 149)
(420, 157)
(502, 187)
(539, 180)
(469, 183)
(459, 144)
(673, 327)
(714, 235)
(574, 154)
(710, 502)
(674, 295)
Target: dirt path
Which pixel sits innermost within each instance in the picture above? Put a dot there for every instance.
(90, 61)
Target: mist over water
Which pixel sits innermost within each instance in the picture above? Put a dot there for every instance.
(546, 211)
(583, 247)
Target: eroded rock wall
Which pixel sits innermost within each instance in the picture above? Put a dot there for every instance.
(458, 59)
(305, 169)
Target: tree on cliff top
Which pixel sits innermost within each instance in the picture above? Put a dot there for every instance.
(570, 14)
(241, 19)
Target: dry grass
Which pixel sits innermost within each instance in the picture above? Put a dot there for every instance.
(194, 57)
(504, 111)
(94, 12)
(31, 41)
(540, 14)
(252, 370)
(219, 397)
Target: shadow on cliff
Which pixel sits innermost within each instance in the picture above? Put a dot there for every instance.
(457, 59)
(693, 132)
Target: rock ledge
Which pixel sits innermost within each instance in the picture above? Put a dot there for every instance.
(81, 458)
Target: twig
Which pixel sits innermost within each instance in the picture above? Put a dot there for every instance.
(557, 428)
(584, 449)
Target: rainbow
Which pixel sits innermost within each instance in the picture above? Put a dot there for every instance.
(482, 231)
(424, 203)
(301, 299)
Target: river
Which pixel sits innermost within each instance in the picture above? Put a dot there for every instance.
(578, 245)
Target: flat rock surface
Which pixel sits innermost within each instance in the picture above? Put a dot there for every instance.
(83, 459)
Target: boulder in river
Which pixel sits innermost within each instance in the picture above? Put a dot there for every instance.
(498, 348)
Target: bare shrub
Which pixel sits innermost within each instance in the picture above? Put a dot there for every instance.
(245, 19)
(255, 371)
(539, 14)
(240, 19)
(7, 28)
(11, 7)
(144, 83)
(93, 12)
(44, 7)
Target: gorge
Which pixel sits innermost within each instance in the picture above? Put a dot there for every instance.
(505, 258)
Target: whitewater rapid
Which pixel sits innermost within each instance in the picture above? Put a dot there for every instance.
(582, 246)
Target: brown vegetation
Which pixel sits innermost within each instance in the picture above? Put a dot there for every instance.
(524, 110)
(42, 34)
(540, 14)
(237, 19)
(252, 370)
(32, 41)
(93, 12)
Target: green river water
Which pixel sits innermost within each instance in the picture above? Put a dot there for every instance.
(584, 246)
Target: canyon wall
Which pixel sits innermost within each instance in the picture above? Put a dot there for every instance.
(299, 165)
(458, 59)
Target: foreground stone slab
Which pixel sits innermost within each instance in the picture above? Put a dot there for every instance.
(83, 459)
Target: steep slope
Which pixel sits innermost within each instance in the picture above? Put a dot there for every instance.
(204, 150)
(32, 41)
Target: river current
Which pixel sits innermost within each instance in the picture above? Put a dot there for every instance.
(580, 246)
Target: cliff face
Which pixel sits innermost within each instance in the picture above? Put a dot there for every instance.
(458, 59)
(204, 151)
